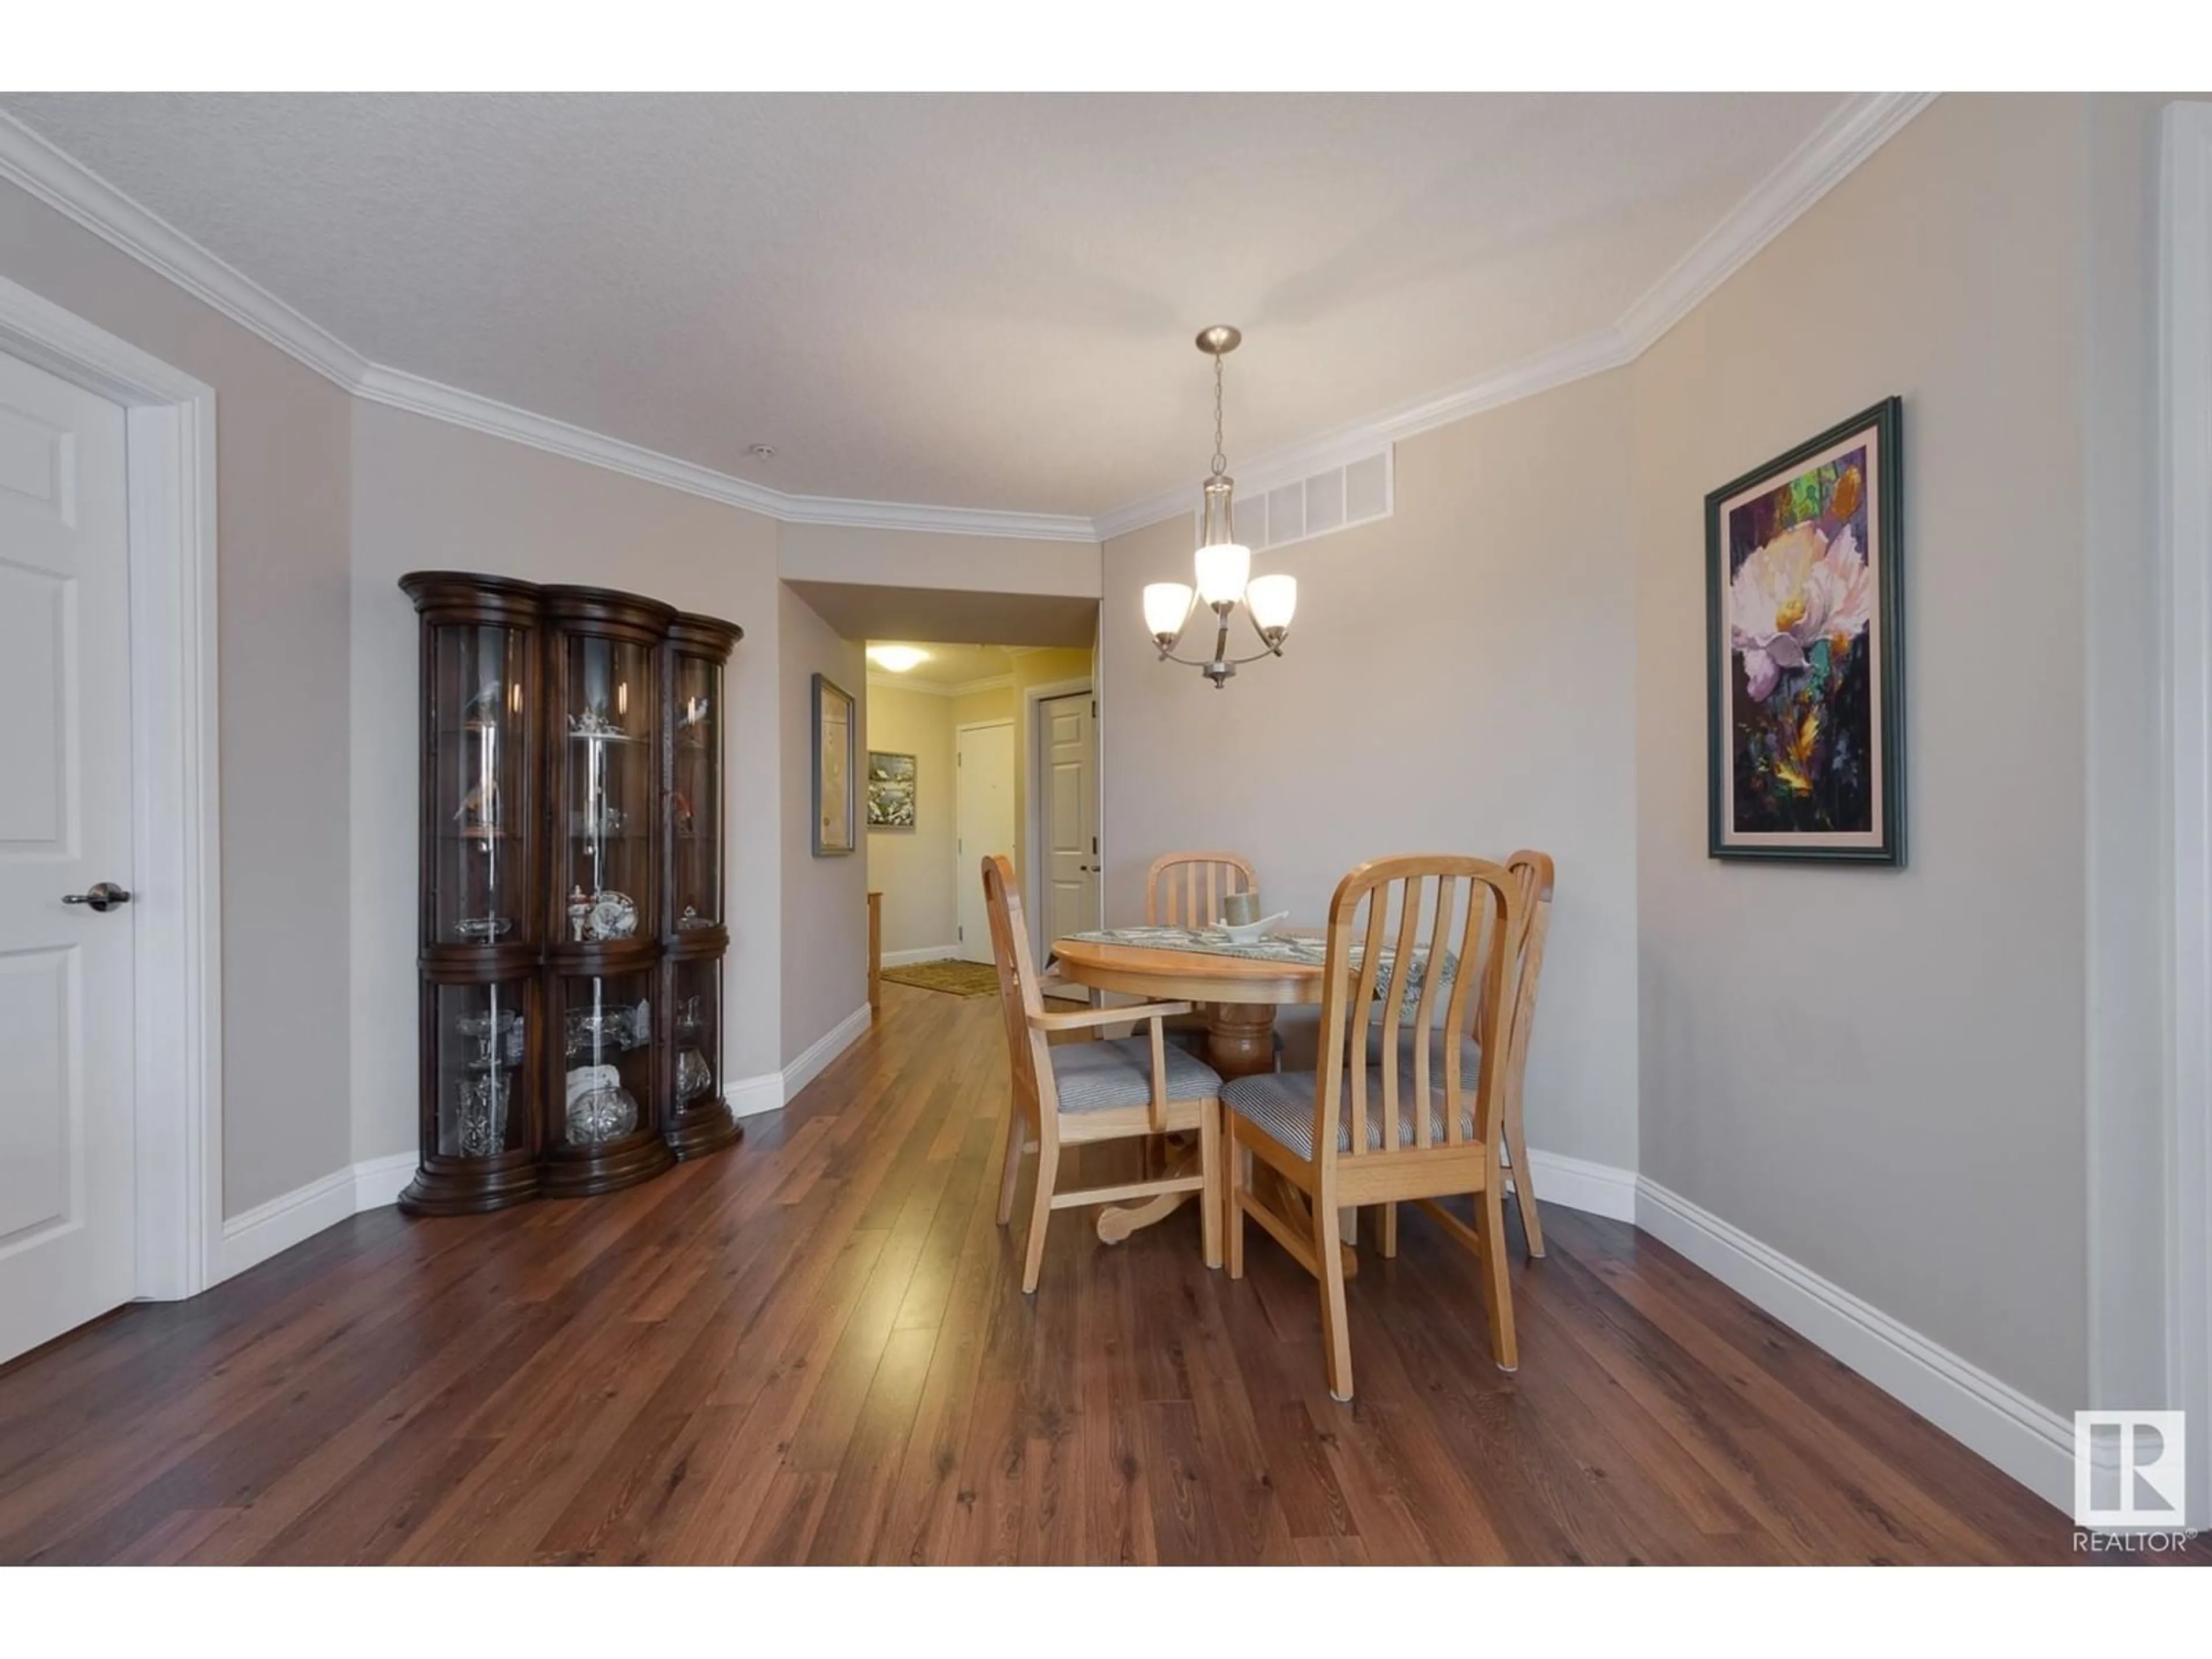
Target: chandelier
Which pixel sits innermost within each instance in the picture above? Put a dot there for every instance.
(1225, 564)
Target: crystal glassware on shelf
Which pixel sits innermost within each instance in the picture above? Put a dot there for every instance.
(480, 1120)
(694, 1077)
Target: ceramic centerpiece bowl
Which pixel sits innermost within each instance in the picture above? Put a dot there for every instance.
(1252, 933)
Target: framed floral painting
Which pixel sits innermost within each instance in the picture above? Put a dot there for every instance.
(1804, 653)
(833, 817)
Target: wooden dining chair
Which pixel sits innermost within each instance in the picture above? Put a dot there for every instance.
(1076, 1094)
(1533, 872)
(1375, 1123)
(1185, 889)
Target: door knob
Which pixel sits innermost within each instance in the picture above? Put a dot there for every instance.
(103, 896)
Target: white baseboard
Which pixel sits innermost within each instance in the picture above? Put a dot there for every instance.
(2027, 1440)
(267, 1229)
(816, 1058)
(378, 1181)
(750, 1095)
(1596, 1189)
(932, 953)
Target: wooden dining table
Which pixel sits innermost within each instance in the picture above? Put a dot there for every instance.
(1239, 995)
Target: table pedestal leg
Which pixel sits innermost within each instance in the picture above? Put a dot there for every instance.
(1240, 1037)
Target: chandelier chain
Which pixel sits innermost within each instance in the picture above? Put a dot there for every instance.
(1220, 452)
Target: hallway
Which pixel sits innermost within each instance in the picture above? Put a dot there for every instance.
(821, 1354)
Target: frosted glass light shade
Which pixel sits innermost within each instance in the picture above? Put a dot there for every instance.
(1166, 605)
(1273, 599)
(896, 658)
(1221, 572)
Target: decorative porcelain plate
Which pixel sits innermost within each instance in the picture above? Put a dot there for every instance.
(614, 916)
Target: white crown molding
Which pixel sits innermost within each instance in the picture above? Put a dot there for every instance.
(1862, 127)
(1859, 128)
(946, 520)
(419, 396)
(886, 681)
(78, 193)
(1592, 354)
(1816, 166)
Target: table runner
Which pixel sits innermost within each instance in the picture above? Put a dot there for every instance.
(1309, 951)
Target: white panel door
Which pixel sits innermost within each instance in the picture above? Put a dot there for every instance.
(67, 1237)
(983, 821)
(1067, 739)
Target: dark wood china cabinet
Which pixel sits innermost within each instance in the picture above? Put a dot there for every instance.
(573, 930)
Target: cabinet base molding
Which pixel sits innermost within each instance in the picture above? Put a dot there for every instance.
(442, 1191)
(702, 1130)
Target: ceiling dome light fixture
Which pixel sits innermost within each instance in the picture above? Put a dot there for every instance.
(896, 658)
(1225, 564)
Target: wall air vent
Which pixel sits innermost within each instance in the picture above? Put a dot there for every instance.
(1357, 492)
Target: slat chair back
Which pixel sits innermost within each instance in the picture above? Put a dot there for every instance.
(1534, 871)
(1385, 1126)
(1466, 908)
(1157, 1105)
(1018, 993)
(1185, 890)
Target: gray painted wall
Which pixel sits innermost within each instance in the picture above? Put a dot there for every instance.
(282, 489)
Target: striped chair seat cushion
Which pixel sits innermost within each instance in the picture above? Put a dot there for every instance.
(1282, 1103)
(1298, 1040)
(1098, 1077)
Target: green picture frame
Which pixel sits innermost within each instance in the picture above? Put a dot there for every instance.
(1805, 650)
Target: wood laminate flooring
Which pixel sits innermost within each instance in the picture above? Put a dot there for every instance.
(814, 1348)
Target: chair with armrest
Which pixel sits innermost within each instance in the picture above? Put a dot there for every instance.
(1075, 1094)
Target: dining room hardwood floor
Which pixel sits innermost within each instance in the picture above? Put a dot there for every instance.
(814, 1348)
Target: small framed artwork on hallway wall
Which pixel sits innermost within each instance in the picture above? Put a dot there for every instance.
(835, 825)
(1804, 650)
(891, 791)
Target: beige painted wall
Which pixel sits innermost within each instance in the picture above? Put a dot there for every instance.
(920, 558)
(1881, 1073)
(428, 496)
(824, 900)
(281, 491)
(914, 868)
(978, 706)
(1460, 680)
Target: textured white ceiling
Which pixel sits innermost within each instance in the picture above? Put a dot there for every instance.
(981, 301)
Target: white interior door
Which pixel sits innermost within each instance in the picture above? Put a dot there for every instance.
(1067, 742)
(67, 1235)
(983, 817)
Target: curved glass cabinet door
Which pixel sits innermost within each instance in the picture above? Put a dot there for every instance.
(694, 799)
(604, 801)
(481, 699)
(696, 1036)
(484, 1106)
(605, 1042)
